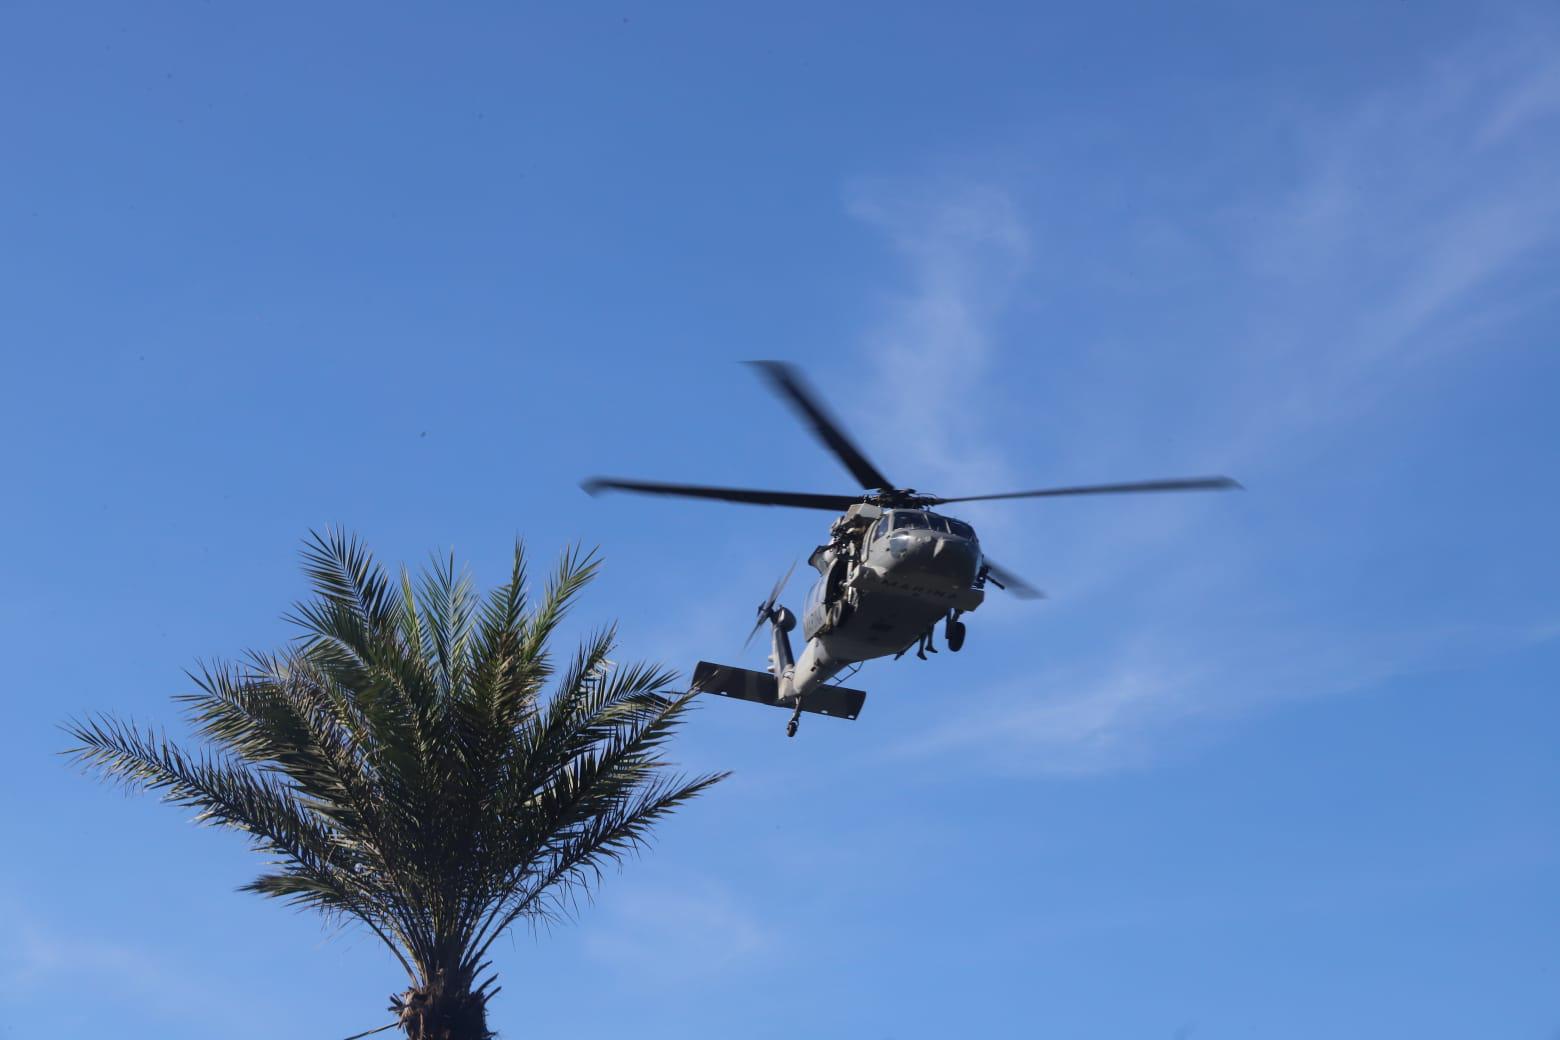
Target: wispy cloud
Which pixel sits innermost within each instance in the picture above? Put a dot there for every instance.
(654, 933)
(965, 250)
(1399, 213)
(35, 959)
(43, 964)
(1118, 715)
(1404, 229)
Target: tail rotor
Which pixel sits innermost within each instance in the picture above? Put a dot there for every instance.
(769, 611)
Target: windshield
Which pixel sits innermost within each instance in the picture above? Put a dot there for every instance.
(948, 525)
(909, 518)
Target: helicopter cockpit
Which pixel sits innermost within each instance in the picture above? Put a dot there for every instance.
(922, 520)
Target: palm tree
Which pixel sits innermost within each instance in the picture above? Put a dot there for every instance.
(402, 768)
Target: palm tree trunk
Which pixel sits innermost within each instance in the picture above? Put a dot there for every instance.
(439, 1010)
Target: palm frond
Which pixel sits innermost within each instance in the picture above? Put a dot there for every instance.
(223, 792)
(401, 764)
(343, 572)
(576, 862)
(451, 614)
(575, 570)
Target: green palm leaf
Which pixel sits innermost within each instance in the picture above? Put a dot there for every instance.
(404, 765)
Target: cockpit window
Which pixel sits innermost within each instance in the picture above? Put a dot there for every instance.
(909, 518)
(960, 528)
(948, 525)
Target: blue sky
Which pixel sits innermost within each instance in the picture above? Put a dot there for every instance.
(1278, 764)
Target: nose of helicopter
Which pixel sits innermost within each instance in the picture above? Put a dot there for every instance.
(935, 555)
(956, 554)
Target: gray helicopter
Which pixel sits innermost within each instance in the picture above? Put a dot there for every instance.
(891, 570)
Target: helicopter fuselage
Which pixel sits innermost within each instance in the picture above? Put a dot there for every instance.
(885, 580)
(891, 570)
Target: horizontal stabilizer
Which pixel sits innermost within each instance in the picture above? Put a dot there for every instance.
(761, 688)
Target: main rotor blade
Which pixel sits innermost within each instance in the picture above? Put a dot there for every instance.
(1185, 484)
(788, 382)
(798, 499)
(1010, 582)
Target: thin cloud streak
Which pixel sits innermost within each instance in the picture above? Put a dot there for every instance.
(1376, 258)
(932, 353)
(43, 964)
(654, 933)
(1118, 716)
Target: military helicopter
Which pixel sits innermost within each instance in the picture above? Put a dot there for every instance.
(891, 570)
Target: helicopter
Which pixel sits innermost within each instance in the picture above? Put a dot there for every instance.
(891, 571)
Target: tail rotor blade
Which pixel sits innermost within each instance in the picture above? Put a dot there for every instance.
(766, 609)
(774, 593)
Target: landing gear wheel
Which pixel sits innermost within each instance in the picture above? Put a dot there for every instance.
(796, 717)
(955, 635)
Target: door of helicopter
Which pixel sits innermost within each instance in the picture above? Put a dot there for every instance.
(823, 609)
(815, 610)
